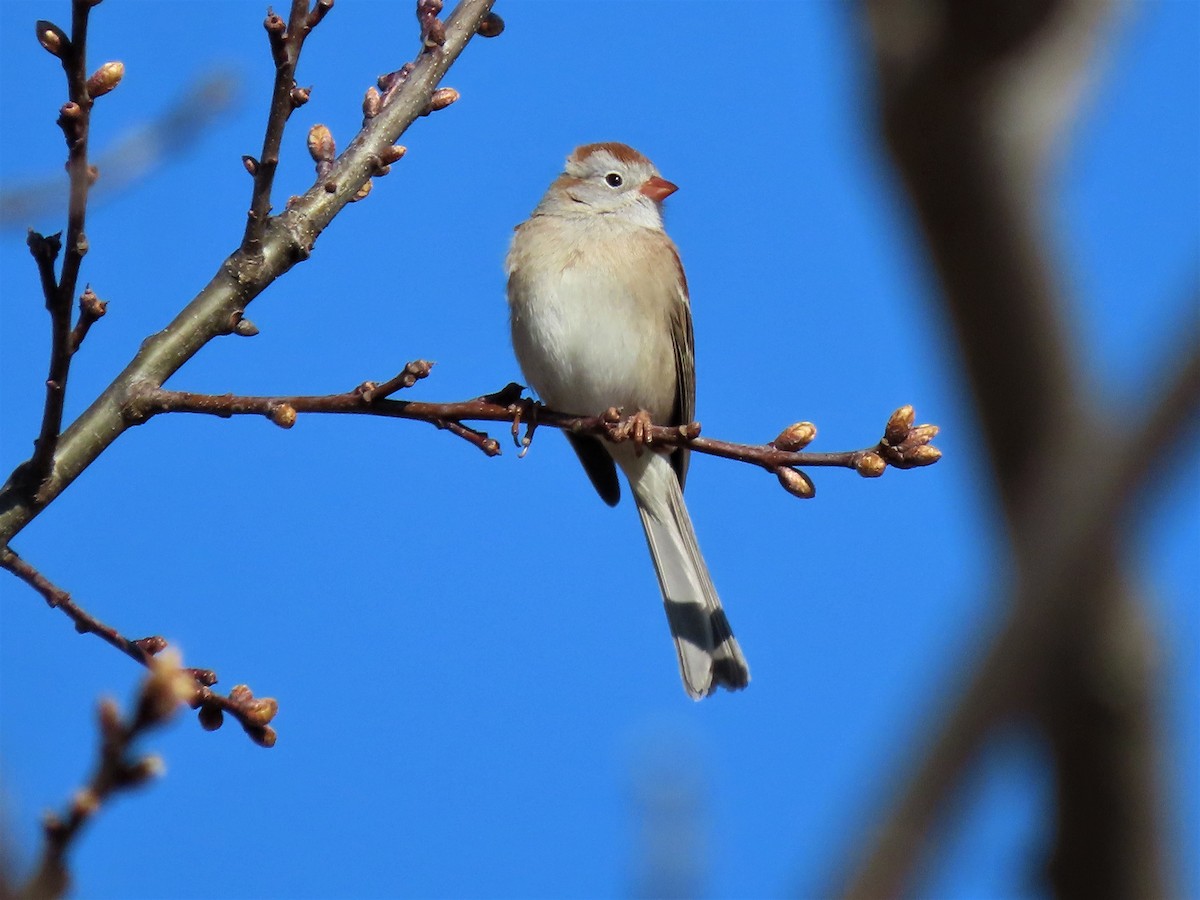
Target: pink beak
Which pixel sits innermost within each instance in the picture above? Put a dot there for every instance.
(658, 189)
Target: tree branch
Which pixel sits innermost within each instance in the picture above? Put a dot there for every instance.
(75, 121)
(287, 40)
(117, 770)
(904, 445)
(970, 106)
(252, 713)
(287, 239)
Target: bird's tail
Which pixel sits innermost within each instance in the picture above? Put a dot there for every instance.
(709, 655)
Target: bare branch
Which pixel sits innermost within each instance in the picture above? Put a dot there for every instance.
(287, 40)
(74, 119)
(969, 107)
(117, 769)
(287, 239)
(904, 444)
(253, 713)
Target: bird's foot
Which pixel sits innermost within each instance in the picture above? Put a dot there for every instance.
(635, 428)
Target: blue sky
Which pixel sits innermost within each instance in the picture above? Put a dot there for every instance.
(478, 692)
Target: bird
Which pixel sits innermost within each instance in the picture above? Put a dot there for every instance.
(600, 317)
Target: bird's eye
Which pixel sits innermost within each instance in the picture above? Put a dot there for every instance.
(613, 179)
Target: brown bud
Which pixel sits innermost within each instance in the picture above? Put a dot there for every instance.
(245, 328)
(165, 689)
(263, 710)
(263, 735)
(922, 434)
(52, 38)
(435, 33)
(109, 716)
(362, 192)
(924, 455)
(85, 802)
(283, 415)
(251, 164)
(300, 96)
(320, 144)
(206, 677)
(870, 465)
(105, 78)
(143, 770)
(796, 483)
(70, 110)
(491, 26)
(211, 718)
(372, 103)
(153, 644)
(796, 436)
(92, 307)
(241, 693)
(392, 153)
(441, 98)
(899, 424)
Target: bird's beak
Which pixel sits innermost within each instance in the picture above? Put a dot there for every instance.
(658, 189)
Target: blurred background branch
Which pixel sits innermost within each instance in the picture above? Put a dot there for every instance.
(133, 155)
(973, 99)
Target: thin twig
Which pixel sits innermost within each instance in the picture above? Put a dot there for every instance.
(288, 239)
(286, 41)
(91, 308)
(75, 120)
(903, 446)
(117, 770)
(253, 713)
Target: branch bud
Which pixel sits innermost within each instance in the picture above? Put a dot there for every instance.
(441, 98)
(164, 690)
(109, 716)
(924, 455)
(52, 38)
(392, 153)
(85, 803)
(211, 718)
(264, 736)
(206, 677)
(870, 465)
(251, 164)
(435, 33)
(372, 103)
(153, 644)
(143, 770)
(796, 483)
(899, 424)
(920, 435)
(300, 96)
(263, 710)
(796, 436)
(320, 144)
(277, 36)
(491, 26)
(362, 192)
(245, 328)
(283, 415)
(105, 78)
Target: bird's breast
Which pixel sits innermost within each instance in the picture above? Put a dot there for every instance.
(589, 316)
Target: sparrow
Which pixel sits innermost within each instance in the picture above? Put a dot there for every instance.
(600, 318)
